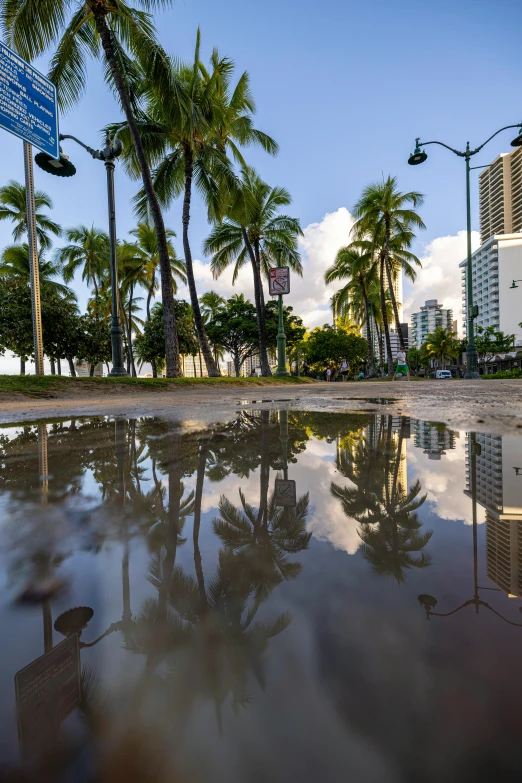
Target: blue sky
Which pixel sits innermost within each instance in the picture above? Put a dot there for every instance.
(344, 88)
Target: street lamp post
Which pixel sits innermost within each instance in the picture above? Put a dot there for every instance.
(419, 156)
(281, 336)
(63, 168)
(514, 283)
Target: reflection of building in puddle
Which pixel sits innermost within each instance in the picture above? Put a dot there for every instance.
(434, 439)
(499, 492)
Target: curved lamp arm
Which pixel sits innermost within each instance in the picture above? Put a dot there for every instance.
(113, 627)
(518, 125)
(424, 143)
(473, 602)
(468, 151)
(94, 153)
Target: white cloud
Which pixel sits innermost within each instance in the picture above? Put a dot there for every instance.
(309, 296)
(440, 276)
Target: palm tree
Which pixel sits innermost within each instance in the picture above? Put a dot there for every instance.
(126, 36)
(88, 250)
(442, 343)
(187, 140)
(211, 302)
(146, 252)
(254, 231)
(15, 263)
(357, 265)
(384, 218)
(13, 207)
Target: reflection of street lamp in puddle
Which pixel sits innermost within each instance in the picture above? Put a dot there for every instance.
(285, 488)
(429, 602)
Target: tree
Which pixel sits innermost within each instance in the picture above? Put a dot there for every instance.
(150, 345)
(126, 36)
(186, 133)
(358, 266)
(413, 358)
(384, 219)
(95, 342)
(13, 207)
(234, 327)
(490, 341)
(441, 344)
(88, 250)
(327, 345)
(16, 323)
(292, 324)
(211, 302)
(254, 231)
(146, 254)
(16, 265)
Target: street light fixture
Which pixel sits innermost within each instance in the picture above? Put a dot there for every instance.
(514, 283)
(419, 156)
(64, 168)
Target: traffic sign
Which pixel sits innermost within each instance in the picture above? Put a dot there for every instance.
(279, 280)
(285, 492)
(28, 105)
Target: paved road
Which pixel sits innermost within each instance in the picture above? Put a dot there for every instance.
(484, 406)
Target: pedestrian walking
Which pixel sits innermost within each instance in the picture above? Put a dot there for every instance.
(344, 370)
(402, 368)
(328, 374)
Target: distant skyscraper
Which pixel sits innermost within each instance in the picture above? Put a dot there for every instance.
(431, 316)
(500, 193)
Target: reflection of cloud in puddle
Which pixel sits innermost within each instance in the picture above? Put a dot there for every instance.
(444, 482)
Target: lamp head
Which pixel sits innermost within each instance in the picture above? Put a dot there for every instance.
(59, 168)
(517, 142)
(74, 620)
(427, 602)
(419, 156)
(513, 285)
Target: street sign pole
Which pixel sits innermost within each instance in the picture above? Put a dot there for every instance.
(281, 337)
(33, 260)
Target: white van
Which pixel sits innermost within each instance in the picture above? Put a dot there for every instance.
(443, 374)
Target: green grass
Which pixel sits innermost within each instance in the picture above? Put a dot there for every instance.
(53, 385)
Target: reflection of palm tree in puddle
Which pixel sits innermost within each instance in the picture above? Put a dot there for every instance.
(384, 509)
(207, 634)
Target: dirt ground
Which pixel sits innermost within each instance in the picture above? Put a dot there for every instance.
(482, 406)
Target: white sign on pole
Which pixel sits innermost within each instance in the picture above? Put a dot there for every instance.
(279, 280)
(285, 492)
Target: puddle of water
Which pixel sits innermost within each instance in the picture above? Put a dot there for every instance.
(373, 400)
(190, 604)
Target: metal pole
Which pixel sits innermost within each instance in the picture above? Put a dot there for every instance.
(116, 330)
(283, 437)
(473, 460)
(33, 261)
(281, 337)
(471, 351)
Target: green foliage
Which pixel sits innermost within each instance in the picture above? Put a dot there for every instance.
(95, 342)
(235, 328)
(327, 345)
(16, 325)
(489, 341)
(441, 344)
(150, 345)
(516, 372)
(292, 324)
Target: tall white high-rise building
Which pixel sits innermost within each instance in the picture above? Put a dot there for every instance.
(498, 261)
(494, 267)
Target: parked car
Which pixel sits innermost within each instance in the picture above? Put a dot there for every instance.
(443, 374)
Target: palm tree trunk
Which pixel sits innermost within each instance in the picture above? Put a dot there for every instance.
(212, 368)
(131, 352)
(169, 316)
(379, 340)
(22, 365)
(59, 364)
(72, 370)
(385, 319)
(53, 366)
(150, 295)
(200, 365)
(154, 368)
(200, 478)
(394, 305)
(260, 304)
(371, 368)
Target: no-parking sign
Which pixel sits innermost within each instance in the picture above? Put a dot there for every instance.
(279, 281)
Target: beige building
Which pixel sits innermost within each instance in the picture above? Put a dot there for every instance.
(500, 196)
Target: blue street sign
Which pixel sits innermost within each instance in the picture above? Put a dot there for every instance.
(28, 106)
